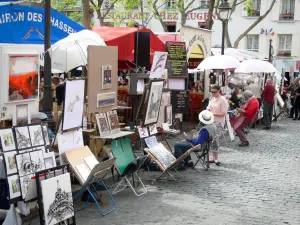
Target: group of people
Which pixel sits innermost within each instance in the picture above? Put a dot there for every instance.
(294, 88)
(212, 119)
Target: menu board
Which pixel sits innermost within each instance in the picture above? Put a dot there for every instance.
(180, 101)
(177, 62)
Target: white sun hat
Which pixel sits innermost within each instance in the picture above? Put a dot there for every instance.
(206, 117)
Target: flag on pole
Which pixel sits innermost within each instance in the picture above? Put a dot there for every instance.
(262, 31)
(272, 32)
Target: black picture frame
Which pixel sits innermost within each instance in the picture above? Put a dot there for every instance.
(15, 128)
(13, 200)
(13, 136)
(47, 133)
(42, 133)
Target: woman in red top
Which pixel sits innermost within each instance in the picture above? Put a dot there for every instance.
(247, 114)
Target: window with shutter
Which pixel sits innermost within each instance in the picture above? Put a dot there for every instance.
(253, 43)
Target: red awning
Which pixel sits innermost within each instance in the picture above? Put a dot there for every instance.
(169, 37)
(124, 38)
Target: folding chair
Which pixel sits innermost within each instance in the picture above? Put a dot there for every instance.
(202, 155)
(247, 129)
(127, 166)
(96, 177)
(166, 169)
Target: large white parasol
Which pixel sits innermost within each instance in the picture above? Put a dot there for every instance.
(71, 52)
(256, 66)
(224, 62)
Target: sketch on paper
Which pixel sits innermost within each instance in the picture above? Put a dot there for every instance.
(7, 139)
(49, 159)
(73, 104)
(113, 121)
(151, 142)
(37, 161)
(14, 186)
(10, 162)
(152, 129)
(46, 134)
(143, 132)
(102, 124)
(57, 199)
(24, 183)
(78, 138)
(154, 102)
(22, 137)
(158, 64)
(36, 135)
(24, 164)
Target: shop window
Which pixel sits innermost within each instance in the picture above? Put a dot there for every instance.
(287, 10)
(284, 45)
(253, 43)
(256, 8)
(171, 28)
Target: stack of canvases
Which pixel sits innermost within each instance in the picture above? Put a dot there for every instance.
(26, 150)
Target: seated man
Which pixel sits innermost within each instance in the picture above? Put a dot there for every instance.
(247, 114)
(205, 130)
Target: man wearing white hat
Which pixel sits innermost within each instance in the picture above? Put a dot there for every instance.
(206, 130)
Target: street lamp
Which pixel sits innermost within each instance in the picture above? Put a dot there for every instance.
(224, 12)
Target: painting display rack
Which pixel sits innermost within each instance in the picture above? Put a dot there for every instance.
(44, 175)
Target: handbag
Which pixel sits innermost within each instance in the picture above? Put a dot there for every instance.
(4, 203)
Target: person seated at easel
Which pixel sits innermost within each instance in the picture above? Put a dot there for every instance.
(205, 131)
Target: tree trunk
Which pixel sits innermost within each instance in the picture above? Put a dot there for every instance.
(86, 14)
(183, 18)
(259, 19)
(227, 37)
(142, 12)
(209, 21)
(101, 20)
(156, 13)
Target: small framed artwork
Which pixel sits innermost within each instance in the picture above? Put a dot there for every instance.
(7, 140)
(154, 102)
(37, 161)
(113, 121)
(22, 115)
(169, 114)
(49, 159)
(36, 135)
(10, 162)
(106, 76)
(25, 166)
(14, 187)
(102, 124)
(46, 133)
(25, 183)
(143, 132)
(106, 99)
(22, 137)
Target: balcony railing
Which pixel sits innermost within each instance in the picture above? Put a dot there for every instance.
(286, 16)
(254, 12)
(284, 53)
(204, 4)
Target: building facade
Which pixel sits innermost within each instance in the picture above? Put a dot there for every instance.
(282, 26)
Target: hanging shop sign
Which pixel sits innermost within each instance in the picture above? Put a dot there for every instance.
(180, 101)
(25, 25)
(176, 63)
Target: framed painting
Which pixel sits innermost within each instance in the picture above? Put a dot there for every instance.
(7, 139)
(36, 135)
(102, 124)
(10, 162)
(22, 137)
(14, 188)
(22, 116)
(49, 159)
(113, 121)
(106, 76)
(154, 101)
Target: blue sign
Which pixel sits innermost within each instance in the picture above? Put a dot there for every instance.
(20, 24)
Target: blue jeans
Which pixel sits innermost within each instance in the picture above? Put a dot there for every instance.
(180, 149)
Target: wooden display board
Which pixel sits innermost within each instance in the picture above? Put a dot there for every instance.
(102, 58)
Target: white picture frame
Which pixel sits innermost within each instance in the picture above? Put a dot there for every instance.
(113, 121)
(10, 162)
(102, 123)
(51, 188)
(37, 161)
(22, 137)
(7, 139)
(21, 117)
(154, 102)
(158, 64)
(143, 132)
(36, 135)
(73, 104)
(14, 187)
(106, 99)
(49, 159)
(106, 76)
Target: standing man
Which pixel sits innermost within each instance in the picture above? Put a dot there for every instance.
(293, 87)
(268, 101)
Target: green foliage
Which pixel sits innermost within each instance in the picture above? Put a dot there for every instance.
(248, 7)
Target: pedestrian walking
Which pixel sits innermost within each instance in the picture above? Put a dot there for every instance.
(268, 101)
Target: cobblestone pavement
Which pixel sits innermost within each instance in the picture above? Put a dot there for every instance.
(257, 185)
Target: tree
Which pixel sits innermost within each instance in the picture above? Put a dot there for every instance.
(210, 22)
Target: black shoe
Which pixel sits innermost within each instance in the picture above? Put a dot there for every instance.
(294, 118)
(190, 164)
(267, 128)
(244, 144)
(218, 163)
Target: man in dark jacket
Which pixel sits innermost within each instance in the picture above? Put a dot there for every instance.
(268, 101)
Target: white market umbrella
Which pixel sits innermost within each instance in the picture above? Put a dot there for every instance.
(256, 66)
(223, 62)
(71, 52)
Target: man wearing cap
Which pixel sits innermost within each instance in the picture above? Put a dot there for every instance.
(206, 130)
